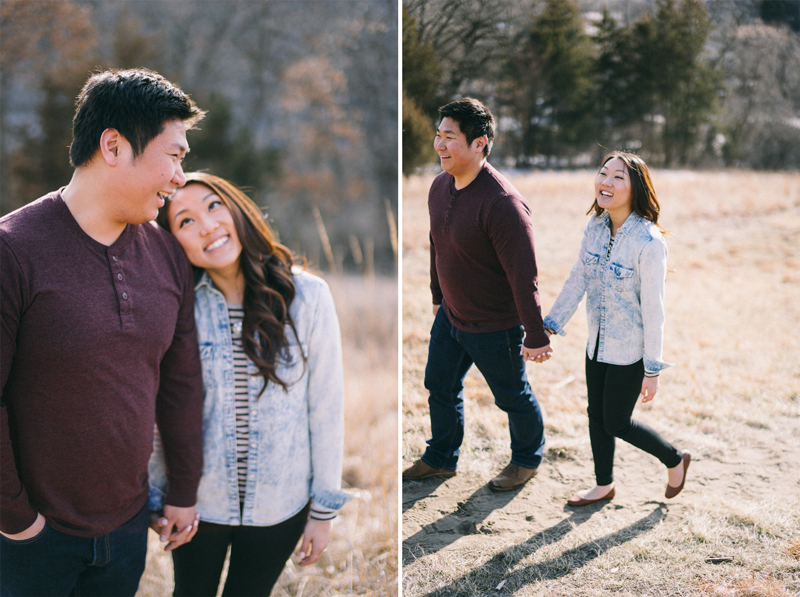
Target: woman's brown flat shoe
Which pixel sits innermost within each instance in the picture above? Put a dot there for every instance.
(584, 502)
(673, 491)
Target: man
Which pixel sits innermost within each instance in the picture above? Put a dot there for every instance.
(484, 286)
(97, 343)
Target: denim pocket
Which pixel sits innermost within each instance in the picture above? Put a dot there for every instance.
(591, 265)
(290, 363)
(623, 278)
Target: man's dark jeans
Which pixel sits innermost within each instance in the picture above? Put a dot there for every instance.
(497, 356)
(54, 563)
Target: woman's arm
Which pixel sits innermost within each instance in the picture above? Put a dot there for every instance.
(326, 402)
(652, 275)
(571, 293)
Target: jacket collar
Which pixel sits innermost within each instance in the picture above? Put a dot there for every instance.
(633, 220)
(204, 280)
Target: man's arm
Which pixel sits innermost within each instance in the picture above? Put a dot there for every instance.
(19, 519)
(179, 414)
(436, 291)
(511, 231)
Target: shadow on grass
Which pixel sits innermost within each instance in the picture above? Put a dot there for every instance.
(489, 575)
(413, 491)
(464, 521)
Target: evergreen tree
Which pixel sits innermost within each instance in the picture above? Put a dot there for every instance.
(686, 87)
(556, 65)
(421, 96)
(422, 73)
(418, 133)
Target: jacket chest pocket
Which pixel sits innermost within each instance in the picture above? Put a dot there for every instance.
(290, 364)
(591, 265)
(622, 278)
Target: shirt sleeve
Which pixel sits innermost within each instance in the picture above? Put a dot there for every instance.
(510, 229)
(436, 291)
(179, 406)
(326, 404)
(16, 512)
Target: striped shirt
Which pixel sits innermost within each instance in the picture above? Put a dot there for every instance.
(241, 396)
(242, 410)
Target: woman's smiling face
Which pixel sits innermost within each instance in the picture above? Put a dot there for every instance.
(612, 187)
(204, 226)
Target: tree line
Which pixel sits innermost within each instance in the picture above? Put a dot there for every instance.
(685, 83)
(301, 100)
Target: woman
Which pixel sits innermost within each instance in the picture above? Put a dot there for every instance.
(273, 412)
(621, 269)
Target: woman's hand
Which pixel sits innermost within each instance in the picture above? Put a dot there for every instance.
(175, 526)
(537, 355)
(649, 388)
(315, 539)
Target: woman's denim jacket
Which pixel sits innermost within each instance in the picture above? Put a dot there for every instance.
(624, 292)
(296, 436)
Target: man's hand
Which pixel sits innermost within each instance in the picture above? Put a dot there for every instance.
(537, 355)
(30, 532)
(177, 526)
(649, 388)
(315, 539)
(436, 309)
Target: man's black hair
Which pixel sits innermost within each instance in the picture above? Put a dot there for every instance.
(473, 118)
(137, 103)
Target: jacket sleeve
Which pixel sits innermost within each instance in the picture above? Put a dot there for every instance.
(571, 294)
(653, 274)
(179, 405)
(16, 512)
(157, 473)
(326, 404)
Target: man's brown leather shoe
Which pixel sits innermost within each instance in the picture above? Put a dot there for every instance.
(420, 470)
(511, 477)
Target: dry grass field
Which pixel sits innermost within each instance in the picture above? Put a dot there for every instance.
(362, 556)
(733, 401)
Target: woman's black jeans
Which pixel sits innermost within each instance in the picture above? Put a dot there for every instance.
(613, 391)
(258, 555)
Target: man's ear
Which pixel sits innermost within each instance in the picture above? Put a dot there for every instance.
(480, 143)
(110, 145)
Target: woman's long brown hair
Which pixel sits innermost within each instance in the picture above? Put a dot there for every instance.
(266, 265)
(643, 194)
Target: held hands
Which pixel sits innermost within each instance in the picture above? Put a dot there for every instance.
(537, 355)
(649, 388)
(176, 526)
(30, 532)
(315, 539)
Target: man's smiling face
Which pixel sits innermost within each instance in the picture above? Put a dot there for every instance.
(455, 155)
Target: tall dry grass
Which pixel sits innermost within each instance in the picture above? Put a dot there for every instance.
(733, 328)
(362, 556)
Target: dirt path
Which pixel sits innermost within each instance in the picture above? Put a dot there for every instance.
(461, 519)
(733, 401)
